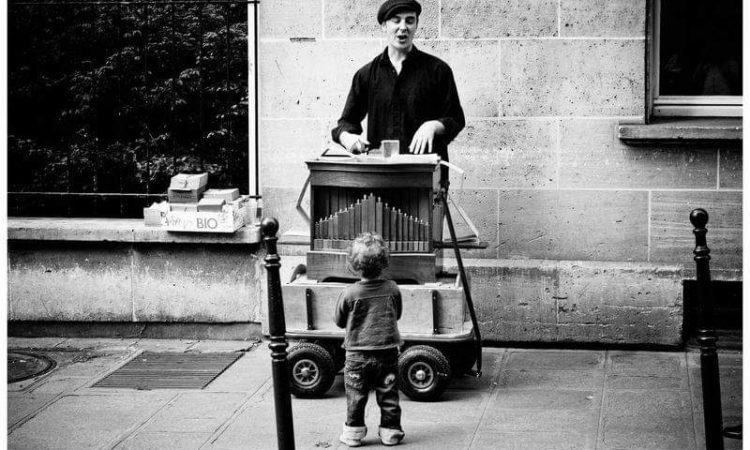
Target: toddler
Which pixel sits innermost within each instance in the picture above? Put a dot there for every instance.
(369, 310)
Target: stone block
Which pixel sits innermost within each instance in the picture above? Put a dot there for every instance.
(542, 410)
(591, 155)
(478, 19)
(476, 69)
(563, 77)
(281, 202)
(181, 416)
(496, 331)
(164, 441)
(672, 238)
(307, 79)
(654, 364)
(515, 294)
(344, 20)
(573, 225)
(730, 168)
(593, 18)
(290, 19)
(189, 284)
(517, 153)
(480, 205)
(54, 281)
(284, 147)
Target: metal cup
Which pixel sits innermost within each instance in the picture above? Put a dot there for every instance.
(390, 147)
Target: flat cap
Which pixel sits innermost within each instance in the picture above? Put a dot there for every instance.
(390, 8)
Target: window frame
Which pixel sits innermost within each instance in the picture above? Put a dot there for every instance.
(680, 105)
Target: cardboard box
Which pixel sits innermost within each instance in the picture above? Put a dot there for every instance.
(156, 214)
(183, 207)
(211, 204)
(179, 195)
(226, 194)
(188, 181)
(228, 220)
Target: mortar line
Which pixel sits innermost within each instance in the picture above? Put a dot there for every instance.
(559, 151)
(240, 409)
(486, 39)
(718, 169)
(600, 422)
(692, 406)
(648, 227)
(323, 19)
(134, 429)
(494, 389)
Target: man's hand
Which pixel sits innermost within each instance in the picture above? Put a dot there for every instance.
(353, 143)
(425, 136)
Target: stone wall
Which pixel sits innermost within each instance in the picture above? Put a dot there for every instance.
(589, 238)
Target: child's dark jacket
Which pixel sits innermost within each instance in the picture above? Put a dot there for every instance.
(369, 310)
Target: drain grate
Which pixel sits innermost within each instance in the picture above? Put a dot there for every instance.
(151, 370)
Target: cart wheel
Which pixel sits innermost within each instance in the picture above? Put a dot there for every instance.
(424, 372)
(311, 371)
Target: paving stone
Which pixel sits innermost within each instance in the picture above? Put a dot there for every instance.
(532, 378)
(555, 360)
(195, 412)
(547, 399)
(540, 440)
(36, 342)
(615, 381)
(164, 441)
(646, 363)
(21, 405)
(424, 436)
(90, 421)
(247, 374)
(538, 420)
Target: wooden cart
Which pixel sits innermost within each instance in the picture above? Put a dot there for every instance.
(400, 199)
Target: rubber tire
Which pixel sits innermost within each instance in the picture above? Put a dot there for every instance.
(315, 358)
(430, 360)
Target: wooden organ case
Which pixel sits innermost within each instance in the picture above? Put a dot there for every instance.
(394, 197)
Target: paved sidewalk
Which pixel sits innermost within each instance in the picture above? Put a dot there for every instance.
(527, 399)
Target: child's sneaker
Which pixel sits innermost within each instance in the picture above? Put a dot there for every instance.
(352, 436)
(390, 436)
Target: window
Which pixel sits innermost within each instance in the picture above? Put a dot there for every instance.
(697, 58)
(107, 100)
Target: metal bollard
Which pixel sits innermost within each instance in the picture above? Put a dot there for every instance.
(712, 417)
(277, 330)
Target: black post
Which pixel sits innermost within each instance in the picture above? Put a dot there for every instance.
(707, 336)
(277, 330)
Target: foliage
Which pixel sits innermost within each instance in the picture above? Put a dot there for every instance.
(119, 97)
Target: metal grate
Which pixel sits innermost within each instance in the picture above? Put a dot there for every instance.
(151, 370)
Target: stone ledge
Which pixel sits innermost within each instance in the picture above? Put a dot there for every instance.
(682, 130)
(116, 230)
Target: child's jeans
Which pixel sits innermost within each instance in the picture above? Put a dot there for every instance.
(368, 370)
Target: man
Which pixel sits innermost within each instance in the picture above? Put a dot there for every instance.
(406, 94)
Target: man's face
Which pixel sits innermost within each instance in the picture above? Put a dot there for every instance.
(400, 30)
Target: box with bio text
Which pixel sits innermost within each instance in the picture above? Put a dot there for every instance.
(227, 218)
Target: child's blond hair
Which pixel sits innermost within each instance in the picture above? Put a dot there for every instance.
(368, 255)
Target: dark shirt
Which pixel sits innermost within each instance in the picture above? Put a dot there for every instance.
(396, 105)
(369, 310)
